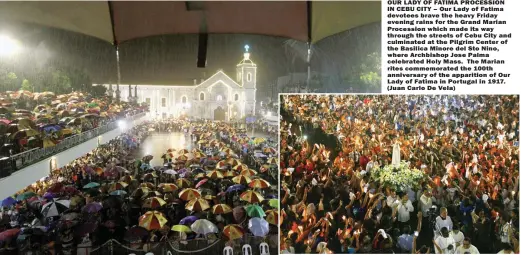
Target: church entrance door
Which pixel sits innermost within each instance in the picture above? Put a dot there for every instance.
(219, 114)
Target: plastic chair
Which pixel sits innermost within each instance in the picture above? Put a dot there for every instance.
(264, 249)
(246, 250)
(228, 250)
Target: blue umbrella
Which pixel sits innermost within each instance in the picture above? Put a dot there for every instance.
(198, 170)
(118, 193)
(49, 195)
(188, 220)
(8, 201)
(236, 187)
(258, 226)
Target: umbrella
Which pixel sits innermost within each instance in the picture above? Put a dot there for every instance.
(189, 194)
(204, 227)
(274, 203)
(255, 211)
(25, 195)
(183, 151)
(236, 187)
(148, 185)
(272, 216)
(136, 233)
(55, 208)
(140, 192)
(258, 227)
(70, 190)
(188, 220)
(197, 205)
(182, 158)
(153, 202)
(181, 228)
(118, 193)
(272, 161)
(8, 234)
(230, 174)
(168, 187)
(8, 201)
(215, 174)
(118, 186)
(152, 220)
(259, 183)
(55, 188)
(240, 167)
(170, 172)
(183, 183)
(251, 196)
(92, 207)
(248, 172)
(259, 140)
(233, 231)
(91, 185)
(221, 209)
(201, 183)
(49, 195)
(239, 179)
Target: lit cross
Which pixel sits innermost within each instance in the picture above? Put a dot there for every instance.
(246, 47)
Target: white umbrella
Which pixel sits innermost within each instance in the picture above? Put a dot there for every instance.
(170, 171)
(55, 208)
(204, 227)
(258, 226)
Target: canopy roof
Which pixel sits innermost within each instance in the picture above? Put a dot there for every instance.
(137, 19)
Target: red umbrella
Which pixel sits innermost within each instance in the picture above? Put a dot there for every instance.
(55, 188)
(200, 183)
(9, 234)
(70, 190)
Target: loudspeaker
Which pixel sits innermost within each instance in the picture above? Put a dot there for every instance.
(201, 53)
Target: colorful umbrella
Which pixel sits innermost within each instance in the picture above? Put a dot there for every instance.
(259, 184)
(240, 167)
(201, 183)
(55, 208)
(197, 205)
(118, 193)
(118, 186)
(183, 183)
(9, 201)
(188, 220)
(241, 179)
(272, 216)
(152, 220)
(215, 174)
(168, 187)
(272, 161)
(248, 172)
(153, 202)
(258, 227)
(221, 209)
(251, 196)
(274, 203)
(189, 194)
(9, 234)
(233, 231)
(25, 195)
(255, 211)
(181, 228)
(233, 162)
(91, 185)
(236, 187)
(230, 174)
(204, 227)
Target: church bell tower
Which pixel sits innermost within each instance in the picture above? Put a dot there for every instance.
(247, 78)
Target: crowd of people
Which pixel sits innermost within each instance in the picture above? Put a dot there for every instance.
(37, 120)
(347, 162)
(206, 191)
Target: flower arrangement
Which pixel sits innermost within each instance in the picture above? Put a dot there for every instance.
(399, 177)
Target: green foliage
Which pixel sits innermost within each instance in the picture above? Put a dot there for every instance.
(26, 85)
(60, 82)
(8, 81)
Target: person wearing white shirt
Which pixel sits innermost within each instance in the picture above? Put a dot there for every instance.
(507, 249)
(467, 248)
(457, 235)
(404, 208)
(443, 221)
(444, 244)
(425, 203)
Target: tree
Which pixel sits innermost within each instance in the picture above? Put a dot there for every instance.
(26, 85)
(370, 71)
(60, 82)
(8, 81)
(98, 91)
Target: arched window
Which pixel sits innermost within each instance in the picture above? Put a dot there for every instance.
(219, 98)
(236, 97)
(248, 77)
(201, 96)
(183, 99)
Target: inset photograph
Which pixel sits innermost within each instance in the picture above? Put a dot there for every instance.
(399, 174)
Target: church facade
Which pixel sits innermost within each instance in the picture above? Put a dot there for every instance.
(219, 97)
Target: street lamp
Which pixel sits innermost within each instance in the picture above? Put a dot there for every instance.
(8, 46)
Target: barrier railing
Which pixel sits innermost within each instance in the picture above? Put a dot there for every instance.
(9, 165)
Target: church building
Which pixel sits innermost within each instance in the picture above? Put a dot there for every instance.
(219, 97)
